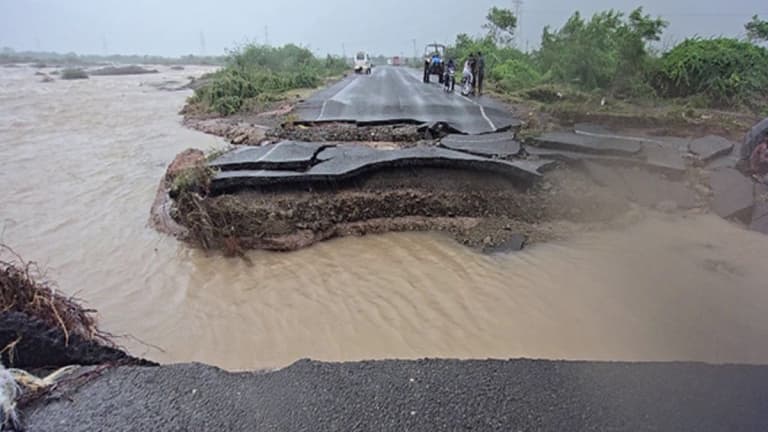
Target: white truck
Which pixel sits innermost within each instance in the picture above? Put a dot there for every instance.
(362, 63)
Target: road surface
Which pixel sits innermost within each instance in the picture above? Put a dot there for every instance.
(392, 94)
(429, 395)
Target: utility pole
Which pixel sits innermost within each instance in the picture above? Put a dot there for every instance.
(343, 50)
(415, 51)
(517, 7)
(266, 35)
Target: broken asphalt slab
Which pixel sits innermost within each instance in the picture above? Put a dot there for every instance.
(663, 153)
(285, 155)
(654, 158)
(502, 144)
(665, 159)
(337, 164)
(392, 95)
(587, 144)
(423, 395)
(643, 188)
(733, 194)
(760, 212)
(600, 131)
(710, 147)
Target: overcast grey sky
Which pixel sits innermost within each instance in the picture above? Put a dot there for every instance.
(174, 27)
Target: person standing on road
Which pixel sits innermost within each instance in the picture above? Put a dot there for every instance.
(480, 73)
(754, 137)
(758, 162)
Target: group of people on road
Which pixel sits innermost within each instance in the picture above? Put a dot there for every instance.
(473, 74)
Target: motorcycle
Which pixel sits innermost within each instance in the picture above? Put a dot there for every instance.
(449, 81)
(467, 86)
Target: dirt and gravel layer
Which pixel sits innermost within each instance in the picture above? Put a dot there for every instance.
(478, 209)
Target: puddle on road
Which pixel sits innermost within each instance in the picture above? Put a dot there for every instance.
(81, 162)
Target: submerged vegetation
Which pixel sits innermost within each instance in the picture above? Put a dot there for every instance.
(24, 289)
(612, 54)
(72, 74)
(257, 73)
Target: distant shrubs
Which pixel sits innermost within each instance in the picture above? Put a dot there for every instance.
(73, 74)
(256, 72)
(608, 51)
(123, 70)
(515, 74)
(726, 71)
(610, 54)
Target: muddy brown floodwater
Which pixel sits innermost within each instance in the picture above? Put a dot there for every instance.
(80, 165)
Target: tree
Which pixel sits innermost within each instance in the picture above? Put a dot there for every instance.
(608, 51)
(757, 29)
(501, 24)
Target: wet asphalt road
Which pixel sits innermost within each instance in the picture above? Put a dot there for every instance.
(393, 94)
(429, 395)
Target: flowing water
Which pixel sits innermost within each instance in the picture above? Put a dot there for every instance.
(81, 161)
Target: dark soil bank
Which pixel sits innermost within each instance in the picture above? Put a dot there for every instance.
(479, 209)
(34, 344)
(427, 395)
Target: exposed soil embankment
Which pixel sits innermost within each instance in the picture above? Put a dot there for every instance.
(41, 328)
(479, 209)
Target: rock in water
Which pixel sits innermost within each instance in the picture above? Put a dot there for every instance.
(512, 244)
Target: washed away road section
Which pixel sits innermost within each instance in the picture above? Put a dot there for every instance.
(392, 95)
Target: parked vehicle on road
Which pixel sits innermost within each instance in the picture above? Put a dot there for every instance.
(363, 63)
(433, 62)
(467, 79)
(449, 80)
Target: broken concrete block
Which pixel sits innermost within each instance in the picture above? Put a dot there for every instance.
(512, 244)
(733, 194)
(760, 211)
(574, 142)
(711, 147)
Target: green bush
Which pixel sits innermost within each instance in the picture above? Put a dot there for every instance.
(515, 74)
(608, 51)
(727, 71)
(259, 72)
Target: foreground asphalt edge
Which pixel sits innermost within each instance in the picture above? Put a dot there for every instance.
(429, 395)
